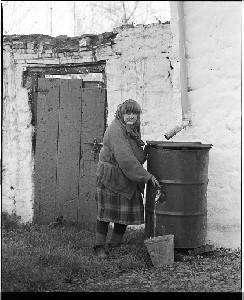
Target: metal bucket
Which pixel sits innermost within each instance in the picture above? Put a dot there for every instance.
(182, 171)
(161, 250)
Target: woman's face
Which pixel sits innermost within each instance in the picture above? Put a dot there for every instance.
(130, 118)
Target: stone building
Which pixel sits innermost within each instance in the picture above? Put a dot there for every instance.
(50, 85)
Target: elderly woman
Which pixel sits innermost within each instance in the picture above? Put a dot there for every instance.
(121, 177)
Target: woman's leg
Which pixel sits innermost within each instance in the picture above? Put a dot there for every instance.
(117, 234)
(101, 233)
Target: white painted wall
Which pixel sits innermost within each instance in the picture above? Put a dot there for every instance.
(213, 48)
(143, 73)
(17, 181)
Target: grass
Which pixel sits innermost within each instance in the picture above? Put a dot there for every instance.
(43, 258)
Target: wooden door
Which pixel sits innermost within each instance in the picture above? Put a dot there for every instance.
(70, 120)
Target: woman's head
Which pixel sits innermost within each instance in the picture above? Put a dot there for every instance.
(129, 112)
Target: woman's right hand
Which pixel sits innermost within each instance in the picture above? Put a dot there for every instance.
(155, 182)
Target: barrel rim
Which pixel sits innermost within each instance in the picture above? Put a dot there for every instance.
(180, 145)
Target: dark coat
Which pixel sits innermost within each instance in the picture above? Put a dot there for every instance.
(120, 161)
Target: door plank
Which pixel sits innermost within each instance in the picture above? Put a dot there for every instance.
(69, 149)
(46, 150)
(93, 119)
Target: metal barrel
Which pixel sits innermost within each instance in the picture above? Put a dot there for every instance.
(182, 171)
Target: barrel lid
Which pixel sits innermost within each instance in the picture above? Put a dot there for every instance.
(179, 145)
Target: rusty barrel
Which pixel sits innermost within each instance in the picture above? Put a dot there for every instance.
(182, 171)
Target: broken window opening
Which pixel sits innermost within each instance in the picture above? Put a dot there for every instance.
(95, 77)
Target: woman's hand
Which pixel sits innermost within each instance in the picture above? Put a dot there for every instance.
(145, 158)
(145, 153)
(155, 182)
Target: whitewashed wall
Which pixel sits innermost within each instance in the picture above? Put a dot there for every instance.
(141, 70)
(213, 48)
(17, 159)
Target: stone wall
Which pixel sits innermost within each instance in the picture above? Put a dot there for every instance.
(213, 50)
(138, 66)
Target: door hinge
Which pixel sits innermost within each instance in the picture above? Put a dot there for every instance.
(41, 91)
(96, 147)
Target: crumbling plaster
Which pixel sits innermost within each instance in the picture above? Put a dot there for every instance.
(17, 159)
(138, 66)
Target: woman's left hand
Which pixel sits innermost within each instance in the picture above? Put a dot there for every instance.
(145, 153)
(145, 158)
(155, 182)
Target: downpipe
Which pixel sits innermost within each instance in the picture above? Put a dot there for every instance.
(186, 121)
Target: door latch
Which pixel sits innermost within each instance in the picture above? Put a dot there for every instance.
(96, 147)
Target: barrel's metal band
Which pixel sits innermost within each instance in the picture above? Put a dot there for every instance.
(169, 213)
(181, 182)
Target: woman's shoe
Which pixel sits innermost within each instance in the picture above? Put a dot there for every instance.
(100, 251)
(110, 247)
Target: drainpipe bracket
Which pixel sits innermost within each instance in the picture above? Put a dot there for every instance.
(186, 117)
(186, 122)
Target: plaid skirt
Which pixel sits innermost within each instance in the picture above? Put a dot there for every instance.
(115, 208)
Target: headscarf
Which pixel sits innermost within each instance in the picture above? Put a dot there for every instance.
(131, 130)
